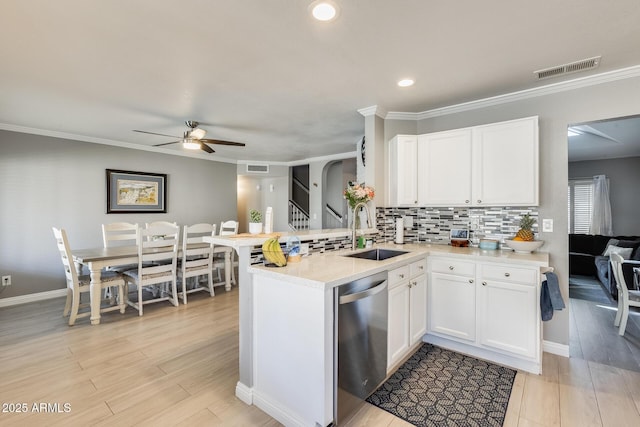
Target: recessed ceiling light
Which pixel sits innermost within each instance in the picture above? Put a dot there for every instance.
(323, 10)
(406, 83)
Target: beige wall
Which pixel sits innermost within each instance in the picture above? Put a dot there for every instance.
(47, 182)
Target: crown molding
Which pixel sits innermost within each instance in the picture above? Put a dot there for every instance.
(374, 110)
(84, 138)
(596, 79)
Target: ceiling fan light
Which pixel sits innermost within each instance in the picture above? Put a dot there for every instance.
(197, 133)
(323, 10)
(190, 144)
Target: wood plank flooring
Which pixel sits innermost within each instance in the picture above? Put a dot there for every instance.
(179, 367)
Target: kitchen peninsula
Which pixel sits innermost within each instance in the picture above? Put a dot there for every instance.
(287, 314)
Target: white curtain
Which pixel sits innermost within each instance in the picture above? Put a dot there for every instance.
(601, 218)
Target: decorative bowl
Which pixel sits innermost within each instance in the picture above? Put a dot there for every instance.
(523, 247)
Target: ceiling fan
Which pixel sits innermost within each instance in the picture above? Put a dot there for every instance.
(193, 138)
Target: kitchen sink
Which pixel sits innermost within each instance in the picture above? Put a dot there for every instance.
(377, 254)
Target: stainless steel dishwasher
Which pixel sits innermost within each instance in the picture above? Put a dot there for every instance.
(361, 311)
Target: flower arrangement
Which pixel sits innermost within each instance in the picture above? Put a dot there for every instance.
(356, 193)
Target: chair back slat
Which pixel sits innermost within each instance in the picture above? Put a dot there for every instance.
(119, 233)
(157, 253)
(229, 227)
(200, 257)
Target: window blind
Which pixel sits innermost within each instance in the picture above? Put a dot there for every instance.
(580, 201)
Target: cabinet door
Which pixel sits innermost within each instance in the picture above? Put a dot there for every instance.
(398, 335)
(507, 317)
(451, 304)
(505, 163)
(403, 175)
(444, 168)
(417, 309)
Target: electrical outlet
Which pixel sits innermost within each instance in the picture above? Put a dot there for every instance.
(304, 248)
(6, 280)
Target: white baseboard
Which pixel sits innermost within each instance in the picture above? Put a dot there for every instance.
(276, 411)
(555, 348)
(244, 393)
(39, 296)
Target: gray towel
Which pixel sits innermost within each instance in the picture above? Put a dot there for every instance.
(550, 297)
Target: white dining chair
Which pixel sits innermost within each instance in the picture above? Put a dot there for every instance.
(626, 297)
(196, 259)
(227, 228)
(158, 223)
(157, 266)
(80, 284)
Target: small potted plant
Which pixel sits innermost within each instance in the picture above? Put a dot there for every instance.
(255, 221)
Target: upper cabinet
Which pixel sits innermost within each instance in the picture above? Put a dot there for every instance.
(403, 170)
(489, 165)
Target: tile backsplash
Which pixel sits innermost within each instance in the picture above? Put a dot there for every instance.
(432, 225)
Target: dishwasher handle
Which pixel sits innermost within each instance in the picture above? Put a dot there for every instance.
(376, 288)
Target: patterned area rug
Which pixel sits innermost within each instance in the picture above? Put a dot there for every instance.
(438, 387)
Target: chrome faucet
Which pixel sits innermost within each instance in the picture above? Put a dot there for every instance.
(355, 212)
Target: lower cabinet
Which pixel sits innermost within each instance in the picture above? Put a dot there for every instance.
(407, 309)
(486, 309)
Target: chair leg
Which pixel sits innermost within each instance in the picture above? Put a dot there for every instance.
(75, 304)
(67, 304)
(625, 317)
(619, 314)
(174, 292)
(139, 300)
(210, 283)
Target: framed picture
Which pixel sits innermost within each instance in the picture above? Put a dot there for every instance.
(136, 192)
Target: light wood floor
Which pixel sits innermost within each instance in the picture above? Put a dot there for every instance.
(179, 366)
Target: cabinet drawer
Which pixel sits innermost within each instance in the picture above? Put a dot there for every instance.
(398, 275)
(417, 268)
(509, 274)
(451, 266)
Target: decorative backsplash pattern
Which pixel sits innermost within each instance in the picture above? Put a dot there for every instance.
(315, 246)
(432, 225)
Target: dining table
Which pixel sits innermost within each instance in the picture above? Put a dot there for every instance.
(96, 259)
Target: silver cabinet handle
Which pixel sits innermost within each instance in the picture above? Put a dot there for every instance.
(401, 276)
(466, 201)
(507, 274)
(479, 201)
(484, 283)
(470, 280)
(451, 267)
(421, 267)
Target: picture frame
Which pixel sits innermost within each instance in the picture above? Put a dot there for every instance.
(459, 234)
(136, 192)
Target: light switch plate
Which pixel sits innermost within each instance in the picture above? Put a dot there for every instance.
(547, 225)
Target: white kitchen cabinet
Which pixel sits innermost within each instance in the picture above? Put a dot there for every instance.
(505, 166)
(403, 171)
(407, 309)
(486, 309)
(489, 165)
(451, 298)
(508, 311)
(444, 172)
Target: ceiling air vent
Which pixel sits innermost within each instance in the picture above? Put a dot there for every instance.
(257, 168)
(573, 67)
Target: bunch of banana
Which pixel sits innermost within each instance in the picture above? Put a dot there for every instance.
(273, 252)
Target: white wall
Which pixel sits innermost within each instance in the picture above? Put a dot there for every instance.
(252, 197)
(47, 182)
(556, 112)
(624, 180)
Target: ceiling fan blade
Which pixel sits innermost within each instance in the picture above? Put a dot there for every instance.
(166, 143)
(153, 133)
(205, 147)
(219, 142)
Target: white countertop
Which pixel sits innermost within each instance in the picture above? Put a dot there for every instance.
(333, 268)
